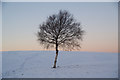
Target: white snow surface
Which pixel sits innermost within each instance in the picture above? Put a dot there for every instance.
(0, 65)
(70, 64)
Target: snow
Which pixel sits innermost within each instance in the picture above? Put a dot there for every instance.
(0, 65)
(71, 64)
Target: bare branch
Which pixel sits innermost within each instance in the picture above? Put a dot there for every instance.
(61, 29)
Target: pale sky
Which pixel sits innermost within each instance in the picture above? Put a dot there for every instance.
(20, 21)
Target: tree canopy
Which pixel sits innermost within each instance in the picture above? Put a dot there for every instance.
(61, 29)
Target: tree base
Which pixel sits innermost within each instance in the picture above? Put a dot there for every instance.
(53, 67)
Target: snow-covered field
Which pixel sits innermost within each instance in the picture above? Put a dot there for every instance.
(38, 64)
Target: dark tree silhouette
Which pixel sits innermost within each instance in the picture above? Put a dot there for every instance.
(60, 30)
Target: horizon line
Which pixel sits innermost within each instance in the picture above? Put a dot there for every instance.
(59, 50)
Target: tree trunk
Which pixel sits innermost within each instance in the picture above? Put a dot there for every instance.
(56, 56)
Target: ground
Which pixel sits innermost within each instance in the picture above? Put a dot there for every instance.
(70, 64)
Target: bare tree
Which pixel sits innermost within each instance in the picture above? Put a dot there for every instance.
(60, 30)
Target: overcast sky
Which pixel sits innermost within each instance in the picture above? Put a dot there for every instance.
(21, 21)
